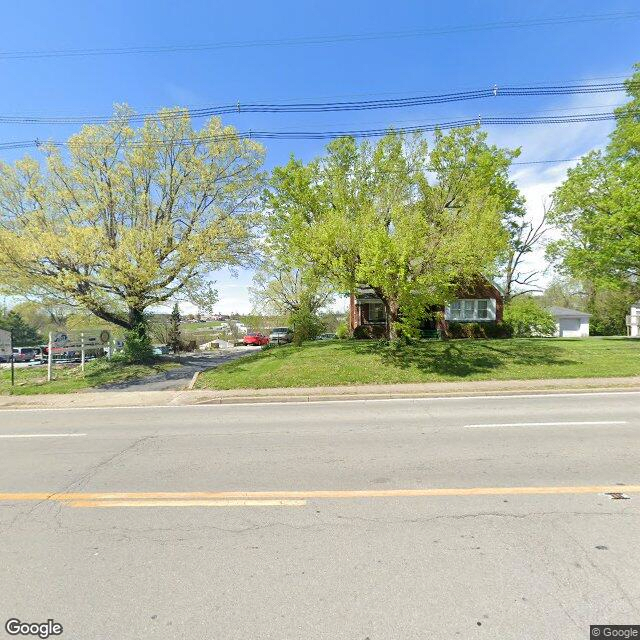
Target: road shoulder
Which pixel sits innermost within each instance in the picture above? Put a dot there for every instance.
(107, 399)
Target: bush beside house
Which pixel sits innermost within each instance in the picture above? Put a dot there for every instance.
(478, 330)
(527, 318)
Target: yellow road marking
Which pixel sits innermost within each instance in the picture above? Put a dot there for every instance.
(186, 503)
(316, 495)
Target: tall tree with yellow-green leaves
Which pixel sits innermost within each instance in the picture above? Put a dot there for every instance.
(409, 219)
(127, 218)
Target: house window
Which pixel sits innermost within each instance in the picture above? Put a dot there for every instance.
(477, 310)
(468, 308)
(455, 310)
(376, 312)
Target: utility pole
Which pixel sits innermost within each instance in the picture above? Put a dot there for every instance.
(13, 359)
(50, 357)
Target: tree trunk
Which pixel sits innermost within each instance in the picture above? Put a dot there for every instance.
(393, 316)
(137, 342)
(136, 317)
(352, 310)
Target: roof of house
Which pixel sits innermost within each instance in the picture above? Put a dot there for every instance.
(364, 292)
(563, 312)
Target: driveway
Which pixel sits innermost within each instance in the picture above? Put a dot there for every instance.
(180, 377)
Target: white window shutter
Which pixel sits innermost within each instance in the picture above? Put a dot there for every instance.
(492, 309)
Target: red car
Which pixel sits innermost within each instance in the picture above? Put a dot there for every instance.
(256, 339)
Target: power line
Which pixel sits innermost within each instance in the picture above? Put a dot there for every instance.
(322, 40)
(332, 107)
(361, 94)
(357, 133)
(522, 162)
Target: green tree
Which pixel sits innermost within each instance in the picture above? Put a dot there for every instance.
(23, 334)
(565, 292)
(316, 211)
(608, 307)
(306, 324)
(174, 337)
(45, 315)
(278, 289)
(597, 208)
(130, 218)
(527, 318)
(411, 222)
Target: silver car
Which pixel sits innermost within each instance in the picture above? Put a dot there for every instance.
(280, 335)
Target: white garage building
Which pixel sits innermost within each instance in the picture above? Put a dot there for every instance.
(570, 323)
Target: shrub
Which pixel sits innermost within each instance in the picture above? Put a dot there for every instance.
(362, 332)
(306, 326)
(342, 331)
(174, 338)
(527, 318)
(498, 330)
(478, 330)
(137, 344)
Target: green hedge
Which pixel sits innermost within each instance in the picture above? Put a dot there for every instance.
(478, 330)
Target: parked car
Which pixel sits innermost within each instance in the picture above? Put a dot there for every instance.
(281, 335)
(326, 336)
(35, 352)
(256, 339)
(26, 354)
(161, 350)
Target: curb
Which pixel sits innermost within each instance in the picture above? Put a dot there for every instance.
(202, 397)
(194, 379)
(351, 397)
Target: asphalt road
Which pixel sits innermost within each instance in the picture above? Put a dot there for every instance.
(401, 519)
(180, 377)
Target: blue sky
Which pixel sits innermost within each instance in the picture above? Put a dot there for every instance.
(348, 70)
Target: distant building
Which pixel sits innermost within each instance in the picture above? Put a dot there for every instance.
(570, 323)
(633, 320)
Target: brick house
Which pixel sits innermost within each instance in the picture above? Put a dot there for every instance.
(481, 302)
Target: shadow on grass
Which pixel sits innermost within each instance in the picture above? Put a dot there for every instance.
(454, 359)
(462, 358)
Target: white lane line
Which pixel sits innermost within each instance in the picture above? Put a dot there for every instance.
(543, 424)
(42, 435)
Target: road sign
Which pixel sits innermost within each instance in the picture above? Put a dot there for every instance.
(93, 338)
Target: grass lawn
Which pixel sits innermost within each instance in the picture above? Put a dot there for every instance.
(344, 362)
(31, 380)
(199, 327)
